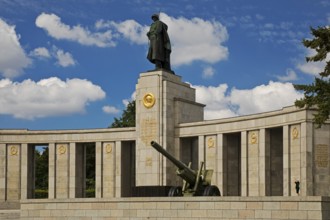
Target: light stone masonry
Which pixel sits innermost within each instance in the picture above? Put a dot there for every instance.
(226, 208)
(108, 169)
(62, 170)
(13, 167)
(3, 172)
(51, 171)
(162, 101)
(73, 184)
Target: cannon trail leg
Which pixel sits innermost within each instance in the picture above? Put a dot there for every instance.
(198, 176)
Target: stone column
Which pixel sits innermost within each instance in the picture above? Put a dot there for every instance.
(244, 164)
(321, 162)
(286, 162)
(201, 149)
(98, 170)
(219, 168)
(118, 169)
(3, 159)
(162, 101)
(211, 160)
(72, 170)
(295, 156)
(63, 166)
(178, 154)
(253, 163)
(13, 172)
(24, 171)
(149, 118)
(109, 168)
(224, 183)
(51, 170)
(264, 163)
(306, 183)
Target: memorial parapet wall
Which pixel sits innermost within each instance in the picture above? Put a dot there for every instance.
(226, 208)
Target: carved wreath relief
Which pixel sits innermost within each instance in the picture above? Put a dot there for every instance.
(210, 142)
(108, 148)
(295, 133)
(13, 150)
(253, 138)
(61, 149)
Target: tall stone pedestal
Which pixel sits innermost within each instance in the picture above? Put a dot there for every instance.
(162, 101)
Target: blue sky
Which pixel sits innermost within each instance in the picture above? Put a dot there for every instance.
(74, 64)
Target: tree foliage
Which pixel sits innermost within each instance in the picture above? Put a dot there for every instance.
(90, 170)
(318, 93)
(41, 172)
(41, 157)
(41, 168)
(127, 119)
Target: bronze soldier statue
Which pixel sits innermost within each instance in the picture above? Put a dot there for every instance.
(159, 44)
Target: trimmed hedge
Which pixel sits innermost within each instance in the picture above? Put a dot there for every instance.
(41, 193)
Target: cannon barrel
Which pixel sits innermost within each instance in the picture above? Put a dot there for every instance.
(183, 171)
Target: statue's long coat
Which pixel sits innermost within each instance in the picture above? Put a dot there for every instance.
(159, 42)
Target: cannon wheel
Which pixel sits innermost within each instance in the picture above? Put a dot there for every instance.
(175, 191)
(212, 191)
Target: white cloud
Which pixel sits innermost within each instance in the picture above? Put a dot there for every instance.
(192, 39)
(132, 31)
(273, 96)
(208, 72)
(221, 103)
(269, 25)
(41, 52)
(47, 97)
(278, 32)
(196, 40)
(325, 4)
(57, 29)
(311, 68)
(64, 59)
(290, 76)
(216, 100)
(259, 17)
(12, 56)
(286, 25)
(110, 109)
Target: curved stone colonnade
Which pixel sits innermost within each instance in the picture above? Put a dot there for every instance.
(279, 153)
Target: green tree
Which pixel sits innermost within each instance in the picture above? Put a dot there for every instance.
(41, 172)
(318, 93)
(127, 119)
(90, 169)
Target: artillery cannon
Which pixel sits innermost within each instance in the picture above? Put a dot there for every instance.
(195, 182)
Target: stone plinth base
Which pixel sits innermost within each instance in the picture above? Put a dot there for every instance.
(10, 210)
(179, 208)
